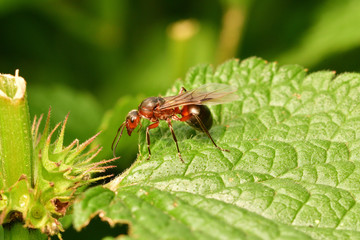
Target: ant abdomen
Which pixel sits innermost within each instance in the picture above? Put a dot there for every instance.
(203, 112)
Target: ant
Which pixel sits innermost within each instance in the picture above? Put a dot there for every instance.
(188, 104)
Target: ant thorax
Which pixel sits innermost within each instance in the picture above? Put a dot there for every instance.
(147, 108)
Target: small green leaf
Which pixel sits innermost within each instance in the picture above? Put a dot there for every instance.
(292, 171)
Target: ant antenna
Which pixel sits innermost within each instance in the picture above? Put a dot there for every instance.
(122, 126)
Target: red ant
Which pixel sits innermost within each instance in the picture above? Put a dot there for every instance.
(192, 111)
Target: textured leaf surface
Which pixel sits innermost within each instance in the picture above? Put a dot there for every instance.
(292, 171)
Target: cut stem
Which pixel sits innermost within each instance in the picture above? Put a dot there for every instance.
(15, 139)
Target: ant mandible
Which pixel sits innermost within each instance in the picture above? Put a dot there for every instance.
(187, 104)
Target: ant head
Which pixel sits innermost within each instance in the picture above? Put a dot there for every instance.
(132, 120)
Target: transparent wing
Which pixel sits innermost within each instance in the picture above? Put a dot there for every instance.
(209, 94)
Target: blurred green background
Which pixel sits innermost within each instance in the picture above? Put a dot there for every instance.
(99, 59)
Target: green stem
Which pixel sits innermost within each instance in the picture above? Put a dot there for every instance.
(15, 140)
(231, 34)
(17, 231)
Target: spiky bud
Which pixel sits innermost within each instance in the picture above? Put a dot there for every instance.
(45, 188)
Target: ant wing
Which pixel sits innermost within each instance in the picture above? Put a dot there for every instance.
(210, 94)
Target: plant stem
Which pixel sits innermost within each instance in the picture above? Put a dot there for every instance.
(17, 231)
(15, 140)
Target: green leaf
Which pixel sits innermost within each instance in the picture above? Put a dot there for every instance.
(292, 171)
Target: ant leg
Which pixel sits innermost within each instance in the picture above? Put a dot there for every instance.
(174, 137)
(208, 134)
(151, 126)
(176, 118)
(182, 89)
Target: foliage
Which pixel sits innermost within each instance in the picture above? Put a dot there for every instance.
(89, 54)
(292, 171)
(99, 59)
(39, 178)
